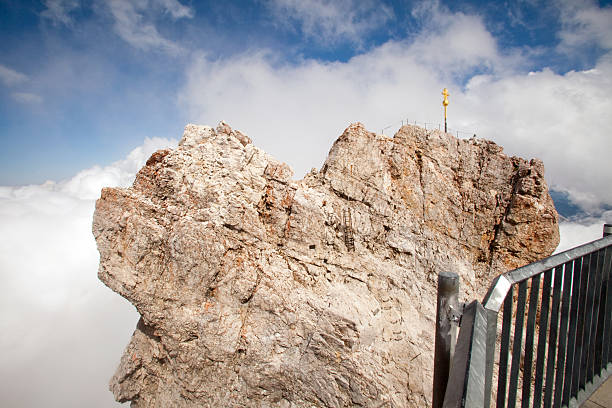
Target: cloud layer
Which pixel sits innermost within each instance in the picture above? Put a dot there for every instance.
(63, 330)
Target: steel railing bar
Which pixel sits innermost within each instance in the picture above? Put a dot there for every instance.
(604, 309)
(595, 346)
(541, 360)
(517, 342)
(568, 270)
(571, 335)
(585, 375)
(503, 351)
(466, 387)
(527, 271)
(529, 337)
(490, 358)
(552, 338)
(607, 337)
(578, 354)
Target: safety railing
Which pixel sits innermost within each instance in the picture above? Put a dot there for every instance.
(460, 133)
(555, 342)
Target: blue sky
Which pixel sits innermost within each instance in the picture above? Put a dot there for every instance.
(84, 82)
(89, 89)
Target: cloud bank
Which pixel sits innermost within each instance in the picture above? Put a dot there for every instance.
(63, 330)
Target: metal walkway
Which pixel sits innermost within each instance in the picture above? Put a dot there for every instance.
(602, 398)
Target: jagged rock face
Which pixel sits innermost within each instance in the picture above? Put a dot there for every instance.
(252, 293)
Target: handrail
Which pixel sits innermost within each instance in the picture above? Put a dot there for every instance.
(466, 383)
(502, 283)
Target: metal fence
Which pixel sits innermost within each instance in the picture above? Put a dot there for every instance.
(555, 342)
(429, 126)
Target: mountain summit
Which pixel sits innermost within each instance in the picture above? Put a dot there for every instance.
(258, 290)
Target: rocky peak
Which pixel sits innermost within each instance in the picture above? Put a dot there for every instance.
(258, 290)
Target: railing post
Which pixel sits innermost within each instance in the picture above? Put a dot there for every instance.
(492, 304)
(466, 387)
(607, 230)
(447, 308)
(490, 354)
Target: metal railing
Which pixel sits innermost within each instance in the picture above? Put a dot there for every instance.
(555, 345)
(429, 126)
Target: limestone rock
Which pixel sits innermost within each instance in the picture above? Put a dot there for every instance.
(258, 290)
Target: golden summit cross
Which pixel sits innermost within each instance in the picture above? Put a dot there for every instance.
(445, 104)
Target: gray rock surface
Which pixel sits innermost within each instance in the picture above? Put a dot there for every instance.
(258, 290)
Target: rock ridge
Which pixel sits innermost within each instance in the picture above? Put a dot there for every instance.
(250, 293)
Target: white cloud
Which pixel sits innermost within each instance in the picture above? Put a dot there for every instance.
(585, 23)
(454, 44)
(11, 77)
(63, 331)
(332, 21)
(58, 11)
(27, 97)
(134, 24)
(176, 9)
